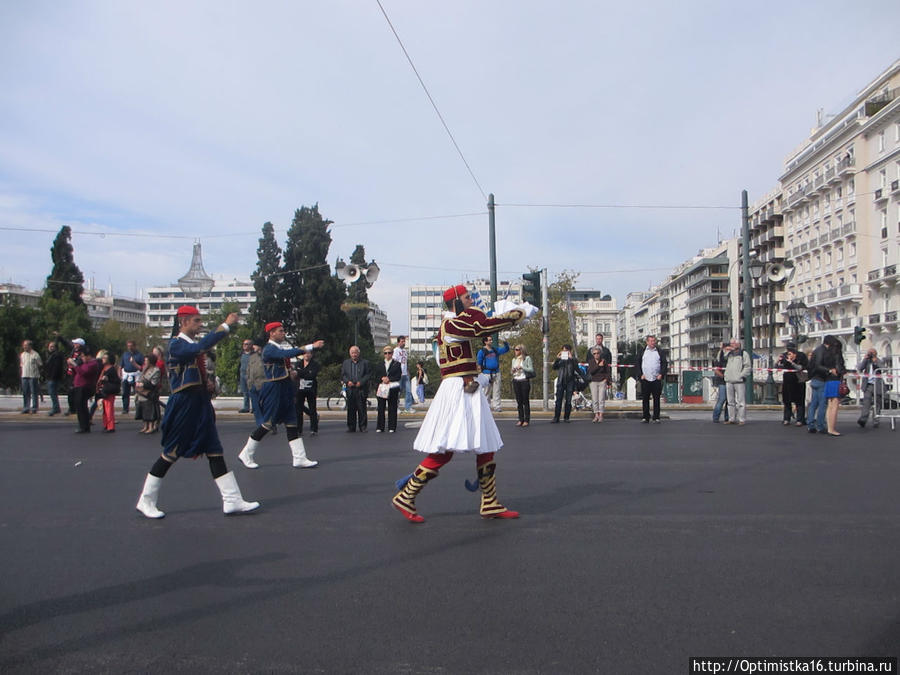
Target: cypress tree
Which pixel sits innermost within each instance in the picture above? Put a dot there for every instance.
(357, 307)
(266, 281)
(311, 294)
(65, 281)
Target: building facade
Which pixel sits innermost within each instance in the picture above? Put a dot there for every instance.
(103, 306)
(840, 192)
(594, 312)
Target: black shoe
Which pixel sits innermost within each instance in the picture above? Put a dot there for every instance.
(861, 423)
(82, 431)
(812, 431)
(109, 431)
(554, 421)
(645, 421)
(566, 420)
(243, 410)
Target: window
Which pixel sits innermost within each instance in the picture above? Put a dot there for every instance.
(881, 141)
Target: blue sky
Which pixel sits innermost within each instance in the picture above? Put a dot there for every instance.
(204, 119)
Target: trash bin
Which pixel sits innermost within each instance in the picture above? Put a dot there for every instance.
(691, 386)
(670, 389)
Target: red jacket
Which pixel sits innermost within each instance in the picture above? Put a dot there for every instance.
(86, 374)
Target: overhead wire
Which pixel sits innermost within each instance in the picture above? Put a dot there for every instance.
(433, 104)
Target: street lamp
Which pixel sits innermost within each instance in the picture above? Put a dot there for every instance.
(796, 312)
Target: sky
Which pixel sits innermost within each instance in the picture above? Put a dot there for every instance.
(183, 120)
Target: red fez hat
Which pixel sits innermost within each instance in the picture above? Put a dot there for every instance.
(187, 310)
(272, 326)
(455, 292)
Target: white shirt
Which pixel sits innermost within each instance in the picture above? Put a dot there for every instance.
(402, 355)
(31, 364)
(650, 365)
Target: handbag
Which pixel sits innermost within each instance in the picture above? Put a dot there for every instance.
(383, 390)
(843, 389)
(802, 376)
(529, 374)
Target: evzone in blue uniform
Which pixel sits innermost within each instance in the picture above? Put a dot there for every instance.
(189, 425)
(276, 399)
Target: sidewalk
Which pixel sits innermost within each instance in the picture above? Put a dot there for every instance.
(227, 408)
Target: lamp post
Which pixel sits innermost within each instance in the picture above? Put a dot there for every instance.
(770, 377)
(756, 269)
(796, 311)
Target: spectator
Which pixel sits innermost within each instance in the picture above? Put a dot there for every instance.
(256, 375)
(522, 372)
(86, 369)
(488, 360)
(355, 374)
(388, 374)
(77, 355)
(823, 366)
(54, 372)
(599, 370)
(652, 367)
(401, 355)
(246, 352)
(108, 387)
(421, 379)
(30, 363)
(869, 385)
(565, 366)
(307, 372)
(129, 372)
(146, 396)
(738, 368)
(793, 383)
(718, 382)
(833, 361)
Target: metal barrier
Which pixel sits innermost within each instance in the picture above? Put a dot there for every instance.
(886, 395)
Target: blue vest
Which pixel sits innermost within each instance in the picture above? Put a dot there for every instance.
(182, 363)
(274, 365)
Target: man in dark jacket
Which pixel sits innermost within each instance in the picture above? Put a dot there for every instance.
(565, 365)
(793, 389)
(54, 372)
(652, 367)
(355, 374)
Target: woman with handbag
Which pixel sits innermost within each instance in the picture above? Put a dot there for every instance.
(147, 396)
(388, 375)
(833, 361)
(108, 387)
(522, 372)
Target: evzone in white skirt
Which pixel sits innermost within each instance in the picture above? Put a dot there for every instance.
(458, 422)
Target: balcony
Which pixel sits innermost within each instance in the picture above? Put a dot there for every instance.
(884, 276)
(874, 319)
(830, 174)
(881, 196)
(895, 186)
(829, 294)
(890, 317)
(848, 228)
(846, 166)
(874, 275)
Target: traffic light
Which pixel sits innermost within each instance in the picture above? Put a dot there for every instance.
(531, 288)
(859, 334)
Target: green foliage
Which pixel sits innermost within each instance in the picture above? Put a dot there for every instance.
(65, 280)
(266, 281)
(228, 350)
(67, 318)
(311, 295)
(17, 324)
(530, 335)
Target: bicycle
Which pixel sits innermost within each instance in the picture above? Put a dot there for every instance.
(339, 401)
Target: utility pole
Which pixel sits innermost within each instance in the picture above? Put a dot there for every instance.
(545, 340)
(748, 289)
(493, 247)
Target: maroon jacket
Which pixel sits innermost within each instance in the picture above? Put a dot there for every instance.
(87, 373)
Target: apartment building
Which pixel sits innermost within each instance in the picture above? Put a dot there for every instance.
(840, 192)
(594, 312)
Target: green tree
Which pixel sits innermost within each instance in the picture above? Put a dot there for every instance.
(17, 324)
(67, 318)
(357, 307)
(65, 280)
(311, 294)
(266, 281)
(228, 351)
(530, 334)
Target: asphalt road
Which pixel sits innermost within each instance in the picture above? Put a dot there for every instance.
(639, 546)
